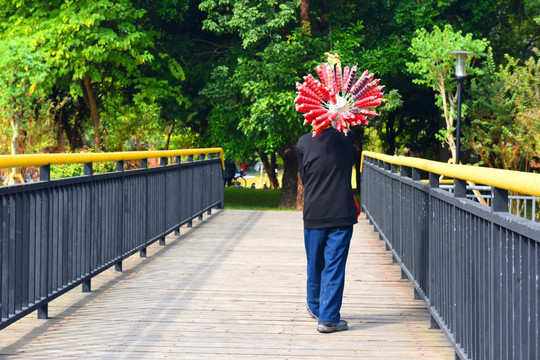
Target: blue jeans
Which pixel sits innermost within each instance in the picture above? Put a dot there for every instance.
(327, 251)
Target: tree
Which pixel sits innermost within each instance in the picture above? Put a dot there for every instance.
(435, 67)
(389, 124)
(275, 54)
(97, 52)
(22, 87)
(504, 111)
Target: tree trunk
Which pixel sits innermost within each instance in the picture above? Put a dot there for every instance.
(290, 178)
(92, 104)
(273, 166)
(304, 13)
(448, 101)
(306, 24)
(300, 194)
(169, 133)
(269, 168)
(16, 128)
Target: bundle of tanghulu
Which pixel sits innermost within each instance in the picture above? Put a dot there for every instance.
(343, 97)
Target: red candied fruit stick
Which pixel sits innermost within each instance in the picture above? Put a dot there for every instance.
(307, 107)
(300, 99)
(306, 91)
(371, 103)
(313, 114)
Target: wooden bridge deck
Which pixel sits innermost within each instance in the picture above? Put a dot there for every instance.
(232, 287)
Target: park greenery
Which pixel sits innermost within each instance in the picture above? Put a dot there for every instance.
(135, 74)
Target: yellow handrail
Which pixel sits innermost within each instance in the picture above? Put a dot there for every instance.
(11, 161)
(520, 182)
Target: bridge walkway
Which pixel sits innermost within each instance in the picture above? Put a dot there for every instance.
(232, 287)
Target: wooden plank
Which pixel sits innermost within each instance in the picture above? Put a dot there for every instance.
(233, 287)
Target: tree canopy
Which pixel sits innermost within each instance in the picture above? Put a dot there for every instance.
(137, 74)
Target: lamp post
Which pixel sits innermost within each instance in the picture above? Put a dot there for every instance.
(461, 73)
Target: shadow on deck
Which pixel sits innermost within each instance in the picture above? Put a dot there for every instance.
(233, 287)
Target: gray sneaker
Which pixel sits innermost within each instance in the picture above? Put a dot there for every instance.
(311, 313)
(329, 327)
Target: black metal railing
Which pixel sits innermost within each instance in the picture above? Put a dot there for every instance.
(476, 267)
(58, 234)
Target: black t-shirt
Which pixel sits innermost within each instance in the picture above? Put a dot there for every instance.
(325, 164)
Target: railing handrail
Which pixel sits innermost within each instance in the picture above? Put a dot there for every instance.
(59, 234)
(472, 264)
(527, 183)
(22, 160)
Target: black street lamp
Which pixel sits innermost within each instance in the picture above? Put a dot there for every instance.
(461, 73)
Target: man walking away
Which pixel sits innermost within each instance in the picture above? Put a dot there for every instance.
(325, 165)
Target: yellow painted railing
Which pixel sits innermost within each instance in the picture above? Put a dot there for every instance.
(520, 182)
(11, 161)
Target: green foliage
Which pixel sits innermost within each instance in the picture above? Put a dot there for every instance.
(148, 61)
(186, 138)
(386, 129)
(71, 170)
(106, 42)
(22, 87)
(348, 40)
(251, 20)
(253, 107)
(505, 122)
(434, 68)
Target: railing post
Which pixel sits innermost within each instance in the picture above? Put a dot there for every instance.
(403, 171)
(120, 166)
(200, 217)
(178, 160)
(416, 175)
(433, 324)
(88, 170)
(119, 235)
(403, 275)
(460, 188)
(43, 312)
(395, 237)
(190, 222)
(163, 162)
(45, 173)
(144, 165)
(209, 211)
(433, 180)
(500, 200)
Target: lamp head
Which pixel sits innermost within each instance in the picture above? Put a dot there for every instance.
(461, 63)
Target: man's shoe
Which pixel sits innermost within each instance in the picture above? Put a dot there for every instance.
(329, 327)
(311, 312)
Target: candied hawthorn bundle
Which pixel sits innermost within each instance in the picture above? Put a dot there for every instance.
(340, 97)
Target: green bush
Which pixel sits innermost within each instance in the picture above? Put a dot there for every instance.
(71, 170)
